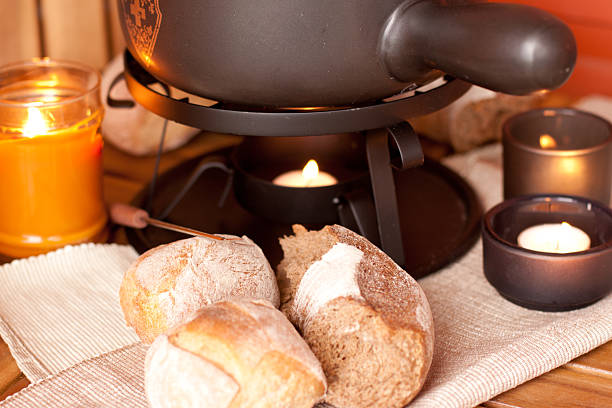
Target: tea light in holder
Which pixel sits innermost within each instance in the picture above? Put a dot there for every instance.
(309, 176)
(50, 157)
(557, 238)
(558, 151)
(267, 183)
(549, 252)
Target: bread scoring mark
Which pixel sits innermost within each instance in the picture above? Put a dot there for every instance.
(281, 334)
(333, 276)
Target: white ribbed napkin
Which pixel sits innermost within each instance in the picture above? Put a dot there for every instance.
(484, 344)
(61, 308)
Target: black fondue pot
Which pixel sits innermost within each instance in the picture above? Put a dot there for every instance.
(296, 53)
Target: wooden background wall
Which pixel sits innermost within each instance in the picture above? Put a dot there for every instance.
(79, 30)
(87, 31)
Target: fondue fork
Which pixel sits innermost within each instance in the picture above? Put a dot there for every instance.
(135, 217)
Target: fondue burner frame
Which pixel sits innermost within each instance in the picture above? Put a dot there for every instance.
(389, 142)
(258, 121)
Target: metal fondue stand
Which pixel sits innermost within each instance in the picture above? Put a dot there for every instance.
(390, 142)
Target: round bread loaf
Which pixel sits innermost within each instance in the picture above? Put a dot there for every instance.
(168, 284)
(239, 353)
(367, 321)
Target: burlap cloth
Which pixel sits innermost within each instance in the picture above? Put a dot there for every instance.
(59, 310)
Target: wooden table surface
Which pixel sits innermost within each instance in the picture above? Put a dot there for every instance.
(584, 382)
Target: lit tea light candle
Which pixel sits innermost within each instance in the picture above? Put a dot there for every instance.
(310, 176)
(554, 238)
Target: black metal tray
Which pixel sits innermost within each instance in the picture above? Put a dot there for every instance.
(439, 214)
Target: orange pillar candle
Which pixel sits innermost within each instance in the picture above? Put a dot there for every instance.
(50, 157)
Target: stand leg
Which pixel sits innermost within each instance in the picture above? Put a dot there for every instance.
(408, 154)
(385, 199)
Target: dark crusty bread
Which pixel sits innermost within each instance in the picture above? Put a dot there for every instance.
(238, 353)
(367, 321)
(168, 284)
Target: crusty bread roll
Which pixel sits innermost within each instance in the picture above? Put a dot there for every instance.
(238, 353)
(168, 284)
(367, 321)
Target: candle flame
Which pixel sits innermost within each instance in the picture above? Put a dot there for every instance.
(547, 142)
(36, 124)
(310, 171)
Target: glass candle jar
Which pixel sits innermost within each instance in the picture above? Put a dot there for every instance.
(558, 151)
(50, 157)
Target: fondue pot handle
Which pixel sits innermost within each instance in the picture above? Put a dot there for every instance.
(509, 48)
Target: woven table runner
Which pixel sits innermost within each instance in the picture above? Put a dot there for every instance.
(60, 309)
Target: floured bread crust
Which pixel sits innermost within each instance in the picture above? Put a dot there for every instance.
(201, 382)
(374, 340)
(168, 284)
(244, 353)
(334, 275)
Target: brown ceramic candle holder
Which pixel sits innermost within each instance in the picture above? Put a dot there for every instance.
(541, 280)
(558, 151)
